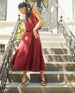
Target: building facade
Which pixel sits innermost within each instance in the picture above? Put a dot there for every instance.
(50, 11)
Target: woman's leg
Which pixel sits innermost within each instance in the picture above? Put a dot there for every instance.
(43, 78)
(42, 75)
(24, 76)
(24, 79)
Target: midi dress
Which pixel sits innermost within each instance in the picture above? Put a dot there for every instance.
(29, 55)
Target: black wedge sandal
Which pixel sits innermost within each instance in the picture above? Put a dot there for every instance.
(24, 84)
(43, 83)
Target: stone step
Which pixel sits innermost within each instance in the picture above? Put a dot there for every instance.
(57, 57)
(49, 50)
(60, 66)
(51, 44)
(50, 39)
(50, 76)
(48, 34)
(0, 85)
(54, 66)
(38, 88)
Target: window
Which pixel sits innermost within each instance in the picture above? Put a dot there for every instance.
(3, 10)
(2, 49)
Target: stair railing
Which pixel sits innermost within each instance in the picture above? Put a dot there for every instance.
(11, 47)
(68, 34)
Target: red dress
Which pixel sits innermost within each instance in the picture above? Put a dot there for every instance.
(29, 55)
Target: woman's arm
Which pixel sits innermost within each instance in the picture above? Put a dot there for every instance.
(40, 21)
(36, 13)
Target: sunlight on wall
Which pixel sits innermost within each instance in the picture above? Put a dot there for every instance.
(12, 10)
(66, 5)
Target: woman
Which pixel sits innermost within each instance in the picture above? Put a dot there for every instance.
(29, 55)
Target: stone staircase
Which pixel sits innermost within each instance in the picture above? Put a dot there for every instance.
(59, 73)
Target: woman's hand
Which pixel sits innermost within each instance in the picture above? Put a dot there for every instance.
(35, 34)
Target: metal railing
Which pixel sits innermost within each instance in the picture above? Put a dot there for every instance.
(11, 47)
(68, 34)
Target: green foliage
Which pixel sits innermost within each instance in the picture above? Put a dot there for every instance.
(20, 30)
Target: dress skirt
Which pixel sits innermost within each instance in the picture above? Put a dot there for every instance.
(29, 55)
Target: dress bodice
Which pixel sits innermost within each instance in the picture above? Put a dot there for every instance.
(31, 22)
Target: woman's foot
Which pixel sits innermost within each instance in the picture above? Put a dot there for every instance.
(43, 83)
(24, 83)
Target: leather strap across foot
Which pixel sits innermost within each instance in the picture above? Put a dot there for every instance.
(43, 83)
(24, 83)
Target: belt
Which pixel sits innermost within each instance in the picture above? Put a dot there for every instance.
(31, 30)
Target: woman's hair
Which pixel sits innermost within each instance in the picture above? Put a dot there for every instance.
(28, 8)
